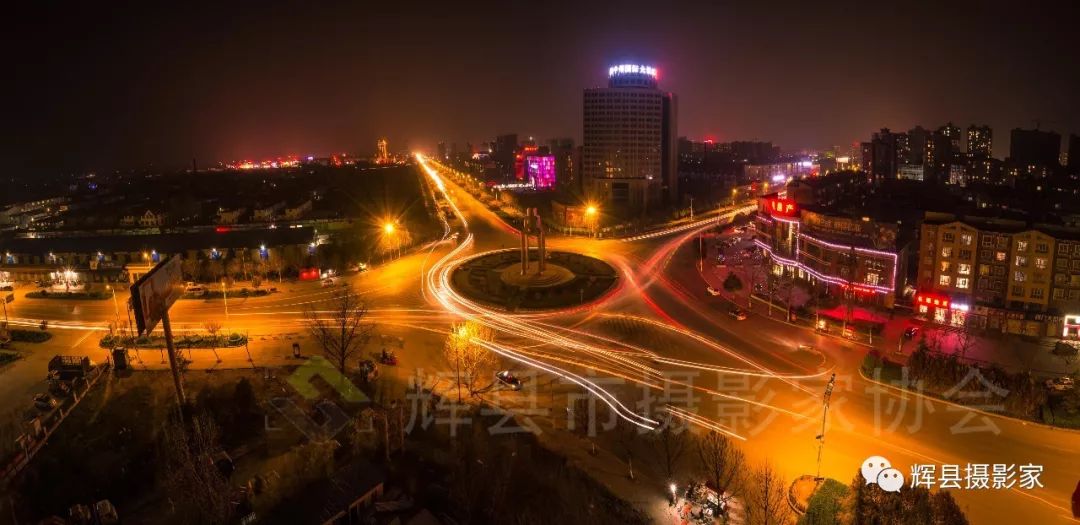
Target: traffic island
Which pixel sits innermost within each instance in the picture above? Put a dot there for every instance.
(567, 280)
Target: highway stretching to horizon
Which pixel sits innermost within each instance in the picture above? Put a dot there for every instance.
(747, 379)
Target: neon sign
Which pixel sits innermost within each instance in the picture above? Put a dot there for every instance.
(784, 207)
(623, 69)
(938, 301)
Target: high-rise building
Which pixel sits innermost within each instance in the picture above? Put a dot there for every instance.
(980, 143)
(1034, 147)
(629, 151)
(941, 150)
(566, 175)
(383, 153)
(503, 154)
(917, 140)
(440, 152)
(883, 154)
(1073, 158)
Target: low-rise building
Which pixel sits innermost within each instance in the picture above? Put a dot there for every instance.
(859, 258)
(1000, 275)
(268, 213)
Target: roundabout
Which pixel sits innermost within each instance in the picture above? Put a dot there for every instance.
(498, 279)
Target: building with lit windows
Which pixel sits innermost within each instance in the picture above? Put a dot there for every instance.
(999, 275)
(629, 159)
(857, 258)
(980, 142)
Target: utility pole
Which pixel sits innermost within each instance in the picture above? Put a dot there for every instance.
(824, 416)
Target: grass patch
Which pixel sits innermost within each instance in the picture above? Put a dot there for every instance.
(30, 336)
(184, 341)
(82, 296)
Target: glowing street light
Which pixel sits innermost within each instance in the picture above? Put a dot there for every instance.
(388, 228)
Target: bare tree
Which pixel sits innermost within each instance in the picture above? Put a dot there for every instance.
(212, 327)
(766, 498)
(965, 339)
(466, 355)
(670, 445)
(340, 330)
(722, 465)
(196, 488)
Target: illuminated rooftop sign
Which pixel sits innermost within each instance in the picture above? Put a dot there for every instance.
(624, 69)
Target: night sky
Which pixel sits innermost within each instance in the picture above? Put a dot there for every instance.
(93, 89)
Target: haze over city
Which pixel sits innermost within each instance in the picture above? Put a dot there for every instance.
(153, 84)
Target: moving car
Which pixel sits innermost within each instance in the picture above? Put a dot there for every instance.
(388, 357)
(712, 291)
(738, 314)
(507, 379)
(911, 332)
(328, 282)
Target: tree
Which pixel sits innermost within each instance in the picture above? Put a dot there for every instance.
(192, 480)
(190, 268)
(341, 330)
(464, 352)
(213, 270)
(766, 498)
(670, 445)
(732, 283)
(212, 327)
(234, 267)
(722, 465)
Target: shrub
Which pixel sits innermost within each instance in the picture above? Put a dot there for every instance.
(825, 506)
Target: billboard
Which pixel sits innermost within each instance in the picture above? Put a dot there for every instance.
(155, 292)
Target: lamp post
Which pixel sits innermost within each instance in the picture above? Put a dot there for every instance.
(225, 296)
(116, 308)
(590, 217)
(734, 194)
(824, 415)
(389, 230)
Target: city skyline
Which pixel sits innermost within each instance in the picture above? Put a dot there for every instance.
(300, 81)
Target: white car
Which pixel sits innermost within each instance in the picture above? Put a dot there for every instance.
(712, 291)
(328, 282)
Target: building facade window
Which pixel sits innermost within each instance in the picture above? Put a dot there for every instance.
(1019, 276)
(944, 280)
(965, 239)
(1021, 246)
(962, 283)
(963, 269)
(946, 251)
(1021, 260)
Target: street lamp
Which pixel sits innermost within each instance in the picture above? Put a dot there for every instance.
(225, 296)
(388, 228)
(734, 194)
(116, 309)
(590, 216)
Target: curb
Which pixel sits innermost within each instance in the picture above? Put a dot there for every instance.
(973, 409)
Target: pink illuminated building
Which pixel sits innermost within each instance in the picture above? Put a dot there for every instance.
(540, 171)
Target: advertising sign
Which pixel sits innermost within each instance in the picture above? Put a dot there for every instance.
(155, 292)
(781, 207)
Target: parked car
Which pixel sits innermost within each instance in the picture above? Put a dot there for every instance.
(712, 291)
(738, 314)
(911, 332)
(1060, 384)
(507, 379)
(195, 290)
(369, 370)
(44, 402)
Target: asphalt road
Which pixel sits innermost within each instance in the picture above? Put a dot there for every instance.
(768, 395)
